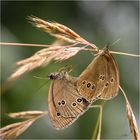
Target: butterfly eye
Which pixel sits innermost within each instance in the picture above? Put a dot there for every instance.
(63, 102)
(73, 104)
(58, 114)
(88, 85)
(51, 76)
(79, 100)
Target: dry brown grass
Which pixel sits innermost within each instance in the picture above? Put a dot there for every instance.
(131, 118)
(53, 52)
(58, 30)
(12, 131)
(57, 52)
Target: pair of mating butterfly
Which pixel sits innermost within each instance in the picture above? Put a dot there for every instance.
(69, 97)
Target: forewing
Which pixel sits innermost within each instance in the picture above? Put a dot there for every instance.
(58, 121)
(92, 79)
(67, 99)
(111, 85)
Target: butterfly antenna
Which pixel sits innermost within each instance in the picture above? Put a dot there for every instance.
(122, 53)
(67, 68)
(41, 78)
(47, 79)
(115, 42)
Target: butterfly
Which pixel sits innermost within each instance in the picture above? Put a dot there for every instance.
(100, 80)
(65, 104)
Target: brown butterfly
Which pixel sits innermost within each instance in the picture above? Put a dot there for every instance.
(65, 104)
(100, 80)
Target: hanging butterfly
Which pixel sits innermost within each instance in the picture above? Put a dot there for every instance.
(65, 104)
(100, 80)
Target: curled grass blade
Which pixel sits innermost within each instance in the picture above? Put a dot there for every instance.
(131, 118)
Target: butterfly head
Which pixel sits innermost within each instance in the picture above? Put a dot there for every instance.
(57, 75)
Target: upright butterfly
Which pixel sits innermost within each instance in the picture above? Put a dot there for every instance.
(100, 79)
(65, 104)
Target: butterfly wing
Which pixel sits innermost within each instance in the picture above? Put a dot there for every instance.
(66, 97)
(58, 121)
(111, 85)
(92, 82)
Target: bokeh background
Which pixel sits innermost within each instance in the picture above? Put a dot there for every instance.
(100, 22)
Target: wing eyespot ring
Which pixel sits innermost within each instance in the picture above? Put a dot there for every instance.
(112, 80)
(59, 103)
(74, 104)
(106, 84)
(102, 77)
(63, 102)
(88, 85)
(79, 100)
(58, 114)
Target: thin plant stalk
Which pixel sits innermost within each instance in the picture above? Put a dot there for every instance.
(32, 45)
(43, 45)
(98, 126)
(95, 129)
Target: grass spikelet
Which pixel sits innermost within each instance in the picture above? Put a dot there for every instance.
(55, 51)
(57, 30)
(12, 131)
(131, 118)
(26, 114)
(43, 57)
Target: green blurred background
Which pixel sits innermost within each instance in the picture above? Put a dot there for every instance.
(100, 23)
